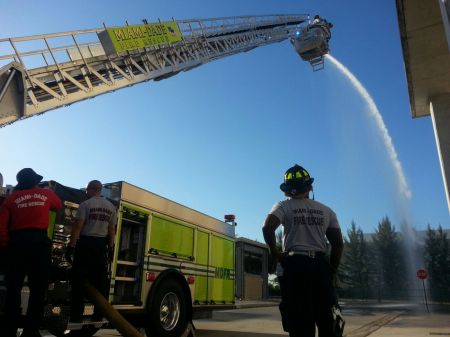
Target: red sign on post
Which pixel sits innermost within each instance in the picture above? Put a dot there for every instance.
(422, 274)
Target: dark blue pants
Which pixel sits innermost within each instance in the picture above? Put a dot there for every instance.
(307, 296)
(29, 254)
(90, 264)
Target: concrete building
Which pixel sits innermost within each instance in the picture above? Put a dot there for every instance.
(252, 263)
(425, 36)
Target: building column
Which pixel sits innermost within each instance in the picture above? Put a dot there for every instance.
(440, 116)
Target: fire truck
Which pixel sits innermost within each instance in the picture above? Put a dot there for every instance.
(169, 262)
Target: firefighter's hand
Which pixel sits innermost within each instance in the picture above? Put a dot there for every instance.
(69, 254)
(280, 255)
(334, 276)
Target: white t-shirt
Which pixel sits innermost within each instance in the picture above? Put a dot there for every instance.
(97, 213)
(305, 223)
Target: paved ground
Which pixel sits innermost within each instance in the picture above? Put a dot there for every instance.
(262, 319)
(266, 322)
(362, 319)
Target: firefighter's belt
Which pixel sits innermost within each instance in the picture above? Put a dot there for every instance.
(310, 253)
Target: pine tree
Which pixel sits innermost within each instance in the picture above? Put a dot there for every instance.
(389, 259)
(355, 268)
(437, 261)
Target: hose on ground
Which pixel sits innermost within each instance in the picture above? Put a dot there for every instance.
(108, 311)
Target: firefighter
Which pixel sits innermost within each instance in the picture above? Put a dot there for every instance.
(307, 293)
(91, 244)
(322, 23)
(24, 218)
(317, 19)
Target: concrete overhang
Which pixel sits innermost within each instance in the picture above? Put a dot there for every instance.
(425, 44)
(425, 36)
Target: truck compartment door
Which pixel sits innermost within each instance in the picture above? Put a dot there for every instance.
(130, 257)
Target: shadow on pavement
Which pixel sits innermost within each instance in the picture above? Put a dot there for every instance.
(217, 333)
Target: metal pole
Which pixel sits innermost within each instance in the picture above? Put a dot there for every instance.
(425, 295)
(81, 54)
(21, 62)
(54, 58)
(8, 81)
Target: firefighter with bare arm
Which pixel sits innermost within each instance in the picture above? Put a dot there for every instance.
(307, 294)
(323, 24)
(91, 244)
(24, 219)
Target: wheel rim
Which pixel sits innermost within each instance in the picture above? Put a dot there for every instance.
(169, 311)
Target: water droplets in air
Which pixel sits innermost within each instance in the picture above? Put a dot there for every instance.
(402, 185)
(413, 260)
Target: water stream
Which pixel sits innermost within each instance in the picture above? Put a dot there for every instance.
(402, 185)
(413, 261)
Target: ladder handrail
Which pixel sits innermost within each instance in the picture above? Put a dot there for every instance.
(96, 30)
(51, 35)
(40, 51)
(206, 27)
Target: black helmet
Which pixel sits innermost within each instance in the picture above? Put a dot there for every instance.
(296, 179)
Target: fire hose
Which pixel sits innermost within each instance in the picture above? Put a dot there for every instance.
(108, 311)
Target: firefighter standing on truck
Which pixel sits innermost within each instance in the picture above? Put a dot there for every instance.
(92, 244)
(24, 219)
(307, 293)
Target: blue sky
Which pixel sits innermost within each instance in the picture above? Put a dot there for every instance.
(219, 138)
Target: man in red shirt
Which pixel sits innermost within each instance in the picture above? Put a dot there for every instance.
(24, 218)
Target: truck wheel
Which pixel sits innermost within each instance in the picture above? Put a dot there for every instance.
(168, 313)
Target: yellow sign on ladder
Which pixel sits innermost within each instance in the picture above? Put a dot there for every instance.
(119, 39)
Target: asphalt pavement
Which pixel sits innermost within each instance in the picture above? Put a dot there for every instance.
(393, 319)
(262, 319)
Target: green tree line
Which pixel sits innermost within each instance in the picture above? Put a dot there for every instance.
(383, 265)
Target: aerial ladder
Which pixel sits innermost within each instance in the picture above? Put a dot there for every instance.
(44, 72)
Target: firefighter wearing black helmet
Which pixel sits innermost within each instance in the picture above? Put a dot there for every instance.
(306, 285)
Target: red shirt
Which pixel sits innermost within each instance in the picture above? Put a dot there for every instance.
(26, 209)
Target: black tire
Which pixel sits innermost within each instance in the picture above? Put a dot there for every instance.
(168, 312)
